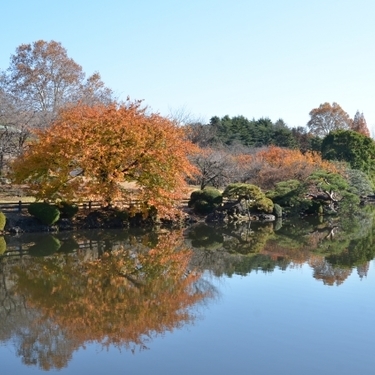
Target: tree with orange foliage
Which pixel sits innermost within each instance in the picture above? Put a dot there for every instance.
(276, 164)
(360, 125)
(90, 151)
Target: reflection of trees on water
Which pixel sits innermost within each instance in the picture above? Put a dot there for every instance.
(124, 288)
(232, 249)
(124, 297)
(330, 275)
(338, 243)
(37, 341)
(243, 238)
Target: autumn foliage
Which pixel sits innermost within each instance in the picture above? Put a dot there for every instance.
(276, 164)
(359, 124)
(91, 151)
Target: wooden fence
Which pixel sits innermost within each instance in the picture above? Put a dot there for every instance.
(88, 205)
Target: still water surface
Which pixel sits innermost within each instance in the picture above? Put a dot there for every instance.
(209, 302)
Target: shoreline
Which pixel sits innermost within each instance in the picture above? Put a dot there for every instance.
(104, 218)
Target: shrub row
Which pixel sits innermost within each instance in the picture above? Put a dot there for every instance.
(49, 214)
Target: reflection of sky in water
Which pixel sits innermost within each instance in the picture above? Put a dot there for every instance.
(284, 322)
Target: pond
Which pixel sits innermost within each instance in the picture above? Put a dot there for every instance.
(286, 297)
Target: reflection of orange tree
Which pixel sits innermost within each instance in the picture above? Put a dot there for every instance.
(124, 298)
(324, 271)
(293, 255)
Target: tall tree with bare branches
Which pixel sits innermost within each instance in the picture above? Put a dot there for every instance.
(328, 118)
(43, 77)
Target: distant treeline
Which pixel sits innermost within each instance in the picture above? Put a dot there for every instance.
(239, 130)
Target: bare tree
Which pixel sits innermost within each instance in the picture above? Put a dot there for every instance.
(215, 167)
(182, 116)
(15, 124)
(45, 79)
(40, 81)
(327, 118)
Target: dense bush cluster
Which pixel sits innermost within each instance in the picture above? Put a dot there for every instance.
(46, 213)
(67, 210)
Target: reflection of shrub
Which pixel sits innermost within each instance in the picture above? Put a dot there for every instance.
(68, 246)
(67, 210)
(315, 207)
(44, 212)
(206, 237)
(3, 245)
(205, 201)
(46, 246)
(2, 221)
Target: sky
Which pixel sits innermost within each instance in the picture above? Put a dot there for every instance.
(205, 58)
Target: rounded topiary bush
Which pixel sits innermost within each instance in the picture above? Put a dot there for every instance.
(44, 212)
(67, 210)
(3, 221)
(3, 245)
(208, 194)
(203, 207)
(205, 201)
(264, 205)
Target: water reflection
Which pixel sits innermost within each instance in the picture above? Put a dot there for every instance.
(51, 306)
(332, 246)
(123, 288)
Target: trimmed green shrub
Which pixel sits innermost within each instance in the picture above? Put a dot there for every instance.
(208, 194)
(44, 212)
(3, 245)
(67, 210)
(252, 194)
(264, 205)
(205, 201)
(3, 221)
(243, 191)
(286, 193)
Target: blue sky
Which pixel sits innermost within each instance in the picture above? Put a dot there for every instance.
(256, 58)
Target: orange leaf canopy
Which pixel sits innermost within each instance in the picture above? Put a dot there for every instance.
(90, 152)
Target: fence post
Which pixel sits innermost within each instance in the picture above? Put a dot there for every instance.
(19, 206)
(90, 203)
